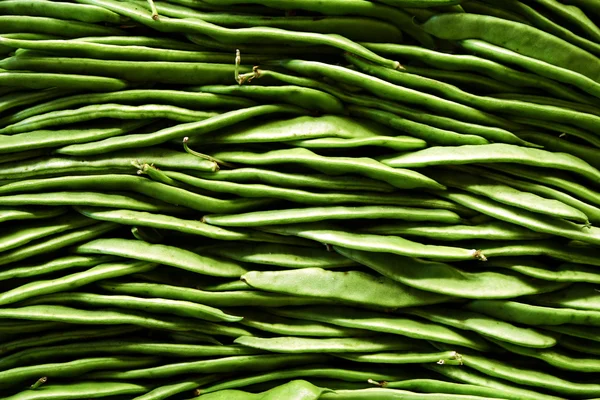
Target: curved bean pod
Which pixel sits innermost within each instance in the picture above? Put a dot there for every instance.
(587, 153)
(409, 357)
(77, 12)
(24, 23)
(29, 213)
(54, 265)
(399, 143)
(567, 272)
(36, 80)
(579, 295)
(163, 392)
(68, 390)
(24, 98)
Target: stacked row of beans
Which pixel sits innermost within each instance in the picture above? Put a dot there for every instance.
(298, 199)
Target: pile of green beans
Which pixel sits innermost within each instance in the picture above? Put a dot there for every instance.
(299, 199)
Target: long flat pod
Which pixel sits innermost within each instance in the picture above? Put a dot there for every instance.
(385, 394)
(379, 322)
(315, 214)
(333, 235)
(77, 12)
(29, 213)
(163, 254)
(515, 36)
(400, 178)
(492, 153)
(293, 390)
(534, 315)
(446, 279)
(580, 296)
(370, 290)
(51, 266)
(85, 389)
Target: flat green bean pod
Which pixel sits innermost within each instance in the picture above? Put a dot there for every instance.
(556, 358)
(581, 345)
(510, 35)
(57, 241)
(406, 357)
(485, 326)
(33, 24)
(507, 195)
(160, 306)
(371, 291)
(291, 344)
(48, 80)
(581, 296)
(52, 266)
(14, 326)
(316, 214)
(379, 322)
(492, 153)
(29, 213)
(400, 178)
(110, 110)
(87, 389)
(23, 98)
(440, 386)
(587, 153)
(227, 365)
(293, 390)
(398, 143)
(567, 272)
(163, 254)
(527, 219)
(493, 230)
(332, 235)
(235, 298)
(437, 277)
(287, 256)
(534, 315)
(163, 392)
(77, 12)
(561, 129)
(578, 331)
(73, 281)
(390, 394)
(190, 129)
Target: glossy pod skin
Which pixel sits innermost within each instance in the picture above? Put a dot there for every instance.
(20, 23)
(77, 12)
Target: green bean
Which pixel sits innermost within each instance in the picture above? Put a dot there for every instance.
(223, 287)
(138, 184)
(24, 234)
(163, 254)
(29, 213)
(160, 306)
(88, 389)
(398, 143)
(439, 386)
(219, 365)
(288, 129)
(534, 315)
(547, 24)
(579, 295)
(578, 331)
(390, 91)
(290, 344)
(135, 96)
(118, 317)
(19, 327)
(379, 322)
(95, 199)
(510, 35)
(556, 144)
(55, 242)
(36, 80)
(486, 9)
(333, 235)
(567, 272)
(163, 392)
(356, 374)
(493, 153)
(540, 67)
(19, 156)
(563, 130)
(43, 139)
(51, 266)
(291, 180)
(384, 394)
(592, 212)
(147, 41)
(551, 101)
(292, 390)
(430, 134)
(400, 178)
(548, 248)
(487, 104)
(216, 299)
(310, 99)
(48, 338)
(24, 98)
(294, 327)
(73, 368)
(408, 357)
(507, 195)
(311, 197)
(114, 111)
(494, 230)
(530, 377)
(555, 179)
(24, 23)
(527, 219)
(117, 161)
(72, 281)
(509, 390)
(176, 132)
(369, 291)
(315, 214)
(262, 35)
(485, 326)
(555, 358)
(573, 16)
(77, 12)
(581, 345)
(445, 279)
